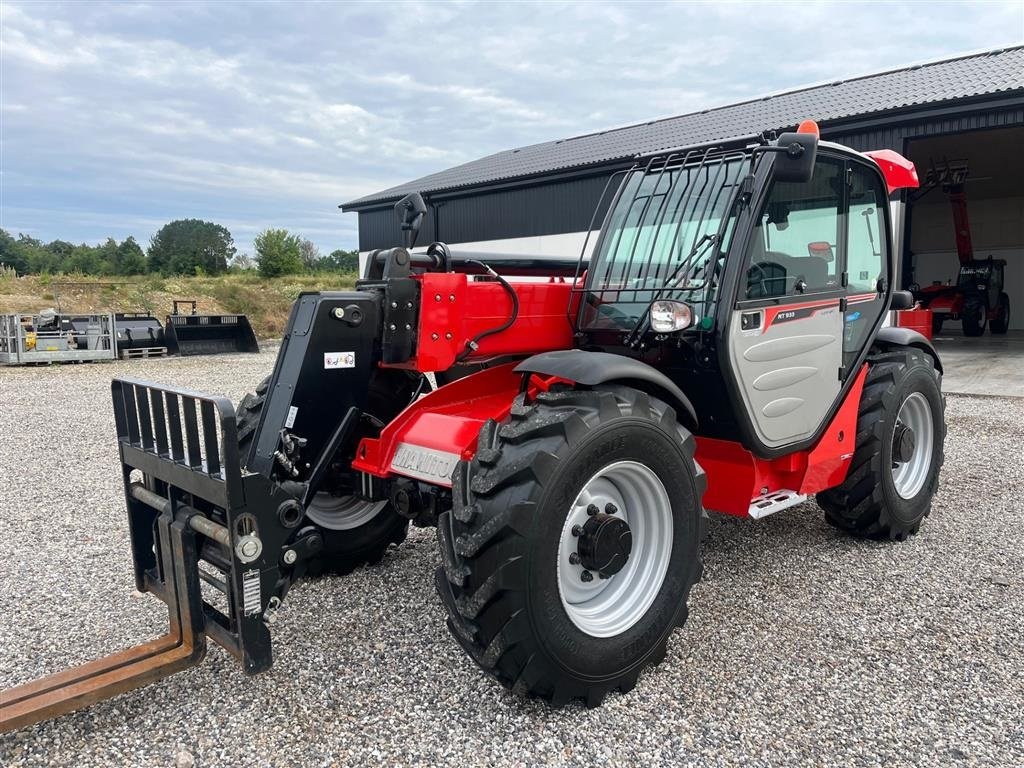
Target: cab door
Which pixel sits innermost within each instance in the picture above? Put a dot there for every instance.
(786, 329)
(867, 261)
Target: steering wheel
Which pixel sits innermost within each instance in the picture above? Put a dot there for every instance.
(763, 278)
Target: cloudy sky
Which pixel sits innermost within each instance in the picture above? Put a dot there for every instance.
(117, 118)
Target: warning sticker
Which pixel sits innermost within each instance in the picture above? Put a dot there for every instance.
(339, 360)
(293, 411)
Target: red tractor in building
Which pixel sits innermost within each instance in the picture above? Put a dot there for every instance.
(723, 349)
(978, 297)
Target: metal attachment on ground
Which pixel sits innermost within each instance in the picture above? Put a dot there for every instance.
(576, 530)
(592, 509)
(290, 557)
(574, 558)
(586, 576)
(610, 509)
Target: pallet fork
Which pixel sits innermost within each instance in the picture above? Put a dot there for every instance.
(186, 498)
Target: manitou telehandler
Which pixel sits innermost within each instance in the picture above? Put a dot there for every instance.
(978, 297)
(724, 348)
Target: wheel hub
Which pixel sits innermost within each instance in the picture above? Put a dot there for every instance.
(605, 544)
(903, 444)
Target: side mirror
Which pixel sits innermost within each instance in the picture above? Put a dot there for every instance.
(411, 210)
(901, 300)
(795, 155)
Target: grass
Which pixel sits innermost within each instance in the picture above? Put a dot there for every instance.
(266, 301)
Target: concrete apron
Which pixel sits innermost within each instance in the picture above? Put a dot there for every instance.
(983, 365)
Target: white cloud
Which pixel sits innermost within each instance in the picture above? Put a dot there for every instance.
(265, 113)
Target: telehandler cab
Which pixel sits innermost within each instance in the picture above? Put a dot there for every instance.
(723, 348)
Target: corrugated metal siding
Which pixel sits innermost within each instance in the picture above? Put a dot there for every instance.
(567, 206)
(541, 209)
(893, 136)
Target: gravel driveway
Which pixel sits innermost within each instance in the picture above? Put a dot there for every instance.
(803, 646)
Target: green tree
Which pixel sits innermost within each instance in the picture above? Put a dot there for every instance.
(129, 258)
(278, 252)
(310, 254)
(241, 263)
(339, 261)
(90, 260)
(12, 254)
(182, 246)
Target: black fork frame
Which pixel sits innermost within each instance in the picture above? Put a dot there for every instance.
(180, 465)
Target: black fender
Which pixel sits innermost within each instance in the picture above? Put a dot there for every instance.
(593, 368)
(894, 336)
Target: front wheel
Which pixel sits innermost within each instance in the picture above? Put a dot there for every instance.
(573, 543)
(901, 429)
(974, 316)
(355, 531)
(1001, 322)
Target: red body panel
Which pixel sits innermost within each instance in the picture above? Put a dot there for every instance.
(899, 172)
(942, 299)
(919, 320)
(447, 419)
(455, 309)
(736, 476)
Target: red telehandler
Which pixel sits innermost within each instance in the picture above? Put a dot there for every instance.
(724, 348)
(978, 296)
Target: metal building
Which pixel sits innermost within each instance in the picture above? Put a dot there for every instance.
(964, 113)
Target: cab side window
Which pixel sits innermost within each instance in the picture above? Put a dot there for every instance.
(795, 243)
(866, 255)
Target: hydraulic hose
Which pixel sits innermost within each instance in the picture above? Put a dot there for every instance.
(473, 344)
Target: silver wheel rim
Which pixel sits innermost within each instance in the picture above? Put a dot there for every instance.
(909, 476)
(609, 607)
(342, 513)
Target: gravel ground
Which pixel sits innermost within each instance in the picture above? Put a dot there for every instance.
(803, 646)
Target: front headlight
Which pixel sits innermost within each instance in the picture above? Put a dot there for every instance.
(669, 316)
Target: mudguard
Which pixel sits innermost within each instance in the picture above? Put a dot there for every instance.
(593, 368)
(907, 337)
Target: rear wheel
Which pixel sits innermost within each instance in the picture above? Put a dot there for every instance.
(573, 543)
(900, 434)
(1001, 322)
(355, 531)
(974, 316)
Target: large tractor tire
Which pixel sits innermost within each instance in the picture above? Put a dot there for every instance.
(974, 316)
(573, 543)
(901, 429)
(355, 532)
(1001, 322)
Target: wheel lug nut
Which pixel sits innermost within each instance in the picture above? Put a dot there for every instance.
(587, 576)
(574, 558)
(576, 530)
(610, 509)
(592, 510)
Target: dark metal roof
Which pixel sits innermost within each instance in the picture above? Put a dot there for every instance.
(973, 75)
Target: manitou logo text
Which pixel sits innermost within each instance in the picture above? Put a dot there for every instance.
(425, 463)
(339, 360)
